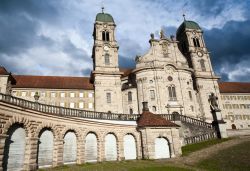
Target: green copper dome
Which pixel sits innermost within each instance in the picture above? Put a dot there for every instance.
(188, 25)
(104, 17)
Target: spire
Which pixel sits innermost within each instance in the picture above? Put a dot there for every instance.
(102, 6)
(184, 16)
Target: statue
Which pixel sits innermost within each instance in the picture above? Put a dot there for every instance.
(213, 102)
(162, 34)
(152, 36)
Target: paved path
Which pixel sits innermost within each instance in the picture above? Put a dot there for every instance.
(197, 156)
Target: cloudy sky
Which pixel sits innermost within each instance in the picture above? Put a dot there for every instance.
(54, 37)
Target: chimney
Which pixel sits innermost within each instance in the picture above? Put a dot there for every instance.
(145, 106)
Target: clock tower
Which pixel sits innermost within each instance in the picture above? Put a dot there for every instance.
(106, 74)
(192, 45)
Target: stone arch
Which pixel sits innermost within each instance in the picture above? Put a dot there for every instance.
(233, 126)
(49, 126)
(111, 146)
(18, 120)
(71, 146)
(166, 148)
(68, 129)
(45, 147)
(98, 135)
(14, 147)
(91, 146)
(130, 147)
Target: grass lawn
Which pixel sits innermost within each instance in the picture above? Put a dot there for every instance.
(198, 146)
(236, 157)
(136, 165)
(233, 158)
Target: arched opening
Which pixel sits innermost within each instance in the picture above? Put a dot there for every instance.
(202, 63)
(233, 126)
(106, 59)
(91, 148)
(14, 149)
(129, 147)
(130, 111)
(172, 93)
(69, 148)
(110, 147)
(45, 148)
(161, 148)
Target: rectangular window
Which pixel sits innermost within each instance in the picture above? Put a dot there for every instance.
(72, 105)
(108, 97)
(62, 94)
(90, 95)
(81, 105)
(24, 93)
(32, 94)
(81, 95)
(190, 95)
(42, 94)
(53, 94)
(152, 94)
(72, 94)
(90, 105)
(62, 104)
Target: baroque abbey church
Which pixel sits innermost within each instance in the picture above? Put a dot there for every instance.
(147, 112)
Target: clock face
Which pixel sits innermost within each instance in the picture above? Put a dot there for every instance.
(199, 53)
(105, 25)
(106, 48)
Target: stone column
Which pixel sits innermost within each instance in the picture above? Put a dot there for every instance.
(80, 151)
(120, 151)
(30, 161)
(58, 152)
(219, 124)
(2, 144)
(100, 151)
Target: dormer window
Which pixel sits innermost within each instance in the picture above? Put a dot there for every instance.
(196, 42)
(105, 36)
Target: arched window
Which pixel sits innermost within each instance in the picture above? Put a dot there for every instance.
(129, 96)
(105, 36)
(202, 63)
(154, 108)
(131, 111)
(196, 42)
(106, 58)
(172, 93)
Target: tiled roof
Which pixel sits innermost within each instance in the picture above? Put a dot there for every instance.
(126, 71)
(234, 87)
(153, 120)
(3, 71)
(53, 82)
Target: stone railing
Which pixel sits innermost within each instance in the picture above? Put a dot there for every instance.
(186, 119)
(65, 112)
(200, 138)
(69, 112)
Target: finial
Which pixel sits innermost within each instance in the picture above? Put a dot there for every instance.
(184, 17)
(152, 36)
(102, 6)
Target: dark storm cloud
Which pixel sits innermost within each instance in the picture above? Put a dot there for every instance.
(231, 47)
(125, 62)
